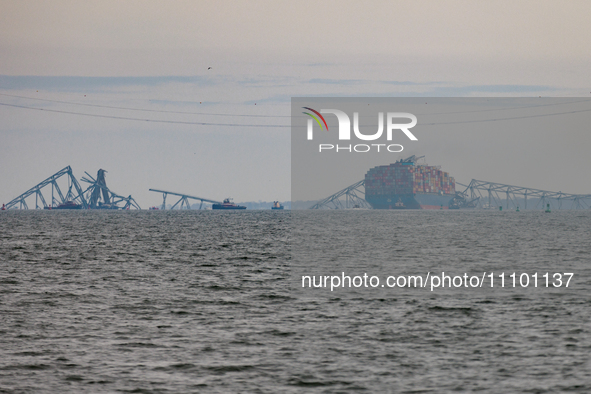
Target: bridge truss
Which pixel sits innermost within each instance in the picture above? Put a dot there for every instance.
(101, 197)
(494, 195)
(74, 192)
(478, 194)
(184, 199)
(88, 199)
(350, 197)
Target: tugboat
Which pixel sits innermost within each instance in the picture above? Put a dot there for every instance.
(276, 205)
(227, 204)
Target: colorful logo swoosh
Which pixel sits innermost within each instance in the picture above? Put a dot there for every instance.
(315, 118)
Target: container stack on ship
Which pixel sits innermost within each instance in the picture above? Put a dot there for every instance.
(407, 185)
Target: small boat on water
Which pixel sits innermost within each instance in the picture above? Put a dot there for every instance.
(276, 205)
(227, 204)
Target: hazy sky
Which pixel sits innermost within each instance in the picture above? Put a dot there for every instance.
(135, 65)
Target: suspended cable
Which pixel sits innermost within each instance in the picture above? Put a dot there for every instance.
(273, 116)
(279, 126)
(143, 120)
(143, 109)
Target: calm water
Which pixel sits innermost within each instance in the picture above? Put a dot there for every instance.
(171, 302)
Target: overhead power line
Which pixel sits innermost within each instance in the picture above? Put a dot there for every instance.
(279, 125)
(273, 116)
(145, 120)
(143, 109)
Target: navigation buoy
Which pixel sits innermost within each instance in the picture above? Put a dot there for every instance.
(517, 209)
(547, 208)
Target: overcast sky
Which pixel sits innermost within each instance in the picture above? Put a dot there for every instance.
(126, 86)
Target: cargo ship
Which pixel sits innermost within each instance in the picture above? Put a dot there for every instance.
(277, 205)
(227, 204)
(408, 185)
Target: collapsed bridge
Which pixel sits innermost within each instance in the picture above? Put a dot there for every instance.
(406, 184)
(493, 195)
(476, 195)
(184, 199)
(96, 196)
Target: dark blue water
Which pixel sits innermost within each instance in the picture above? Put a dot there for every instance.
(169, 302)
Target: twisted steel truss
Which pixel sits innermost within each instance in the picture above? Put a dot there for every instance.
(350, 197)
(184, 199)
(494, 195)
(74, 194)
(478, 194)
(98, 190)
